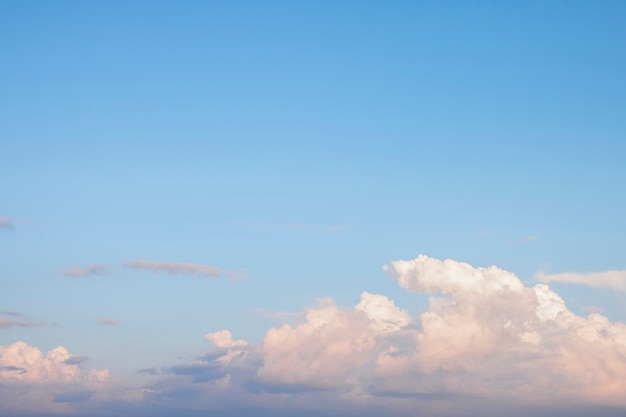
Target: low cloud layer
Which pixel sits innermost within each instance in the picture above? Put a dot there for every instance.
(609, 279)
(486, 345)
(174, 268)
(86, 271)
(484, 336)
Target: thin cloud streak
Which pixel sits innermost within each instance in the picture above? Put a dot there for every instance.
(8, 323)
(107, 322)
(609, 279)
(86, 271)
(183, 268)
(19, 320)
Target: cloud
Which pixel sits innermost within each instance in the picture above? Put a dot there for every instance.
(86, 271)
(22, 363)
(609, 279)
(173, 268)
(485, 335)
(593, 309)
(6, 223)
(76, 360)
(148, 371)
(531, 238)
(224, 339)
(486, 345)
(11, 313)
(107, 322)
(18, 320)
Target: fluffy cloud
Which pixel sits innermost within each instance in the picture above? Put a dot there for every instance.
(22, 363)
(181, 268)
(224, 339)
(89, 270)
(485, 335)
(608, 279)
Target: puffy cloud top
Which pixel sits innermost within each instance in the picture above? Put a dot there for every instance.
(23, 363)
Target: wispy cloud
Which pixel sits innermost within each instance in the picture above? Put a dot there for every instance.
(593, 309)
(531, 238)
(86, 271)
(174, 268)
(608, 279)
(148, 371)
(6, 223)
(17, 320)
(107, 322)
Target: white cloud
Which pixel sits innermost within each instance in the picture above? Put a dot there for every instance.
(86, 271)
(224, 339)
(484, 335)
(497, 336)
(181, 268)
(609, 279)
(22, 363)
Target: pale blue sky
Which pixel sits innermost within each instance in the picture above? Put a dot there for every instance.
(305, 145)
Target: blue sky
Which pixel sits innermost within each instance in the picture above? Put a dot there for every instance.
(301, 147)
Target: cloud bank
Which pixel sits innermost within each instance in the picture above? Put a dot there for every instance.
(173, 268)
(609, 279)
(485, 338)
(486, 345)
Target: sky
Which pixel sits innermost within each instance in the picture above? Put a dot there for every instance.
(315, 208)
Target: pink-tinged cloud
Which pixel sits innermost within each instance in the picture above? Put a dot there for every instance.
(609, 279)
(107, 322)
(181, 268)
(593, 309)
(484, 335)
(6, 223)
(8, 323)
(86, 271)
(224, 339)
(22, 363)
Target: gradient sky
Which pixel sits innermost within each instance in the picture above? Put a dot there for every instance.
(172, 170)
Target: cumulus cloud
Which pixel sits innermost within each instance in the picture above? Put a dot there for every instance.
(484, 335)
(485, 342)
(173, 268)
(609, 279)
(224, 339)
(86, 271)
(22, 363)
(6, 223)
